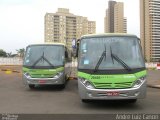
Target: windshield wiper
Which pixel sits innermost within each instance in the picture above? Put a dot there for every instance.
(43, 58)
(100, 60)
(111, 55)
(119, 60)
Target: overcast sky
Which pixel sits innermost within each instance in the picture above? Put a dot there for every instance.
(22, 21)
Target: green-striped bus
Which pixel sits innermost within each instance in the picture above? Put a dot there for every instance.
(111, 67)
(46, 64)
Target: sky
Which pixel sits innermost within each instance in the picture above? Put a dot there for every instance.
(22, 21)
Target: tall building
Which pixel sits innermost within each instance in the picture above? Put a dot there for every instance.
(150, 29)
(114, 20)
(111, 12)
(64, 26)
(106, 24)
(91, 27)
(125, 25)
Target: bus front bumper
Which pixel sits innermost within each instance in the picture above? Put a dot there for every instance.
(111, 94)
(44, 81)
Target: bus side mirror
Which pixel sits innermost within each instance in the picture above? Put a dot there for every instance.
(77, 49)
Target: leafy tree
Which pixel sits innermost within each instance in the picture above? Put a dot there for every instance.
(3, 53)
(9, 54)
(20, 52)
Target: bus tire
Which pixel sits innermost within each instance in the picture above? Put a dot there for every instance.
(31, 86)
(132, 100)
(62, 86)
(85, 100)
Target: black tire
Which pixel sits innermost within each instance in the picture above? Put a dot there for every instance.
(85, 100)
(62, 86)
(31, 86)
(132, 100)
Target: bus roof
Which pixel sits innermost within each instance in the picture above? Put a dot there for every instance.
(48, 43)
(108, 34)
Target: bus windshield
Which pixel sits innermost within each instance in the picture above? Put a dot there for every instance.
(42, 56)
(110, 53)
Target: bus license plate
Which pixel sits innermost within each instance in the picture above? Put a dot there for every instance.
(112, 93)
(42, 81)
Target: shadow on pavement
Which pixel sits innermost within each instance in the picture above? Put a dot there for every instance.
(113, 104)
(48, 87)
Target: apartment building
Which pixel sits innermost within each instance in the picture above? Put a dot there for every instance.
(64, 26)
(125, 25)
(150, 29)
(114, 21)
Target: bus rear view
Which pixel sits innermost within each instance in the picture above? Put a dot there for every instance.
(111, 67)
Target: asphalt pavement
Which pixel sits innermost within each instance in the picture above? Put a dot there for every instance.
(44, 101)
(153, 78)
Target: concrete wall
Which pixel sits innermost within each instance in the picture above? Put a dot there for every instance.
(151, 65)
(11, 61)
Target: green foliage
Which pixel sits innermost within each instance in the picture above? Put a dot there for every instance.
(21, 52)
(9, 54)
(3, 53)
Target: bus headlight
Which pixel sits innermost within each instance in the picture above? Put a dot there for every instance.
(27, 75)
(139, 82)
(87, 83)
(58, 75)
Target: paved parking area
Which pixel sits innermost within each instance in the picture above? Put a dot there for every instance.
(15, 98)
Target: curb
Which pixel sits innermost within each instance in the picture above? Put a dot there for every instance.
(15, 71)
(72, 78)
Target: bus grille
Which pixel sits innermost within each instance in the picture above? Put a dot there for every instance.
(42, 75)
(113, 85)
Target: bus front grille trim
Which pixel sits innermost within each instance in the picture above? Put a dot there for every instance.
(113, 85)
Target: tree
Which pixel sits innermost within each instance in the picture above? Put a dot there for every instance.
(9, 54)
(3, 53)
(20, 52)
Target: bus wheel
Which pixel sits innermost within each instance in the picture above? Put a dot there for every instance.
(31, 86)
(85, 100)
(63, 86)
(132, 100)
